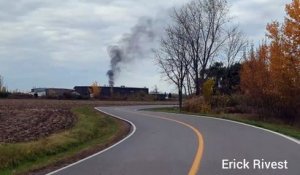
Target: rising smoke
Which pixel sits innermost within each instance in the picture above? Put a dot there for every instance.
(131, 46)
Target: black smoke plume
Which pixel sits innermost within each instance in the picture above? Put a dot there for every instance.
(131, 46)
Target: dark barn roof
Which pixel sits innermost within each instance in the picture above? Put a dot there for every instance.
(107, 92)
(83, 90)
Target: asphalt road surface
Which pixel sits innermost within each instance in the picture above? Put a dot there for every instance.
(171, 144)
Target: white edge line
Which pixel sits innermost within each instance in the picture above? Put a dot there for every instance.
(276, 133)
(106, 149)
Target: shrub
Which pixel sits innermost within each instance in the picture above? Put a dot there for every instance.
(19, 95)
(231, 104)
(220, 101)
(197, 104)
(4, 94)
(226, 100)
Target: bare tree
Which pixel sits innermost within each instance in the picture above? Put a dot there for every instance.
(172, 58)
(233, 53)
(200, 32)
(188, 84)
(204, 24)
(234, 46)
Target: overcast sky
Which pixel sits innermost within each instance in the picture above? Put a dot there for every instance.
(55, 43)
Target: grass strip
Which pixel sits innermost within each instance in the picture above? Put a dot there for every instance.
(91, 130)
(273, 126)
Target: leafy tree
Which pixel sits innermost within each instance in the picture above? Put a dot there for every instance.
(95, 90)
(231, 81)
(272, 75)
(217, 72)
(208, 87)
(254, 74)
(227, 79)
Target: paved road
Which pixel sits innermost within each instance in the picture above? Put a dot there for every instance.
(171, 144)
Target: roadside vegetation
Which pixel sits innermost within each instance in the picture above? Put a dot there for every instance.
(218, 73)
(273, 125)
(92, 130)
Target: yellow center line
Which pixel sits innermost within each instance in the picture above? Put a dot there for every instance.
(197, 160)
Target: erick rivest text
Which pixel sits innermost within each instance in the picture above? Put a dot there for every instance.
(259, 164)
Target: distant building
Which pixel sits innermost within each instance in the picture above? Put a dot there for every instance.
(108, 92)
(50, 92)
(38, 92)
(159, 96)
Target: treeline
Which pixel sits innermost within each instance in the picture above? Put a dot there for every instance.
(264, 81)
(271, 75)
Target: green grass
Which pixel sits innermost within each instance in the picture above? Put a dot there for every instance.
(271, 125)
(91, 130)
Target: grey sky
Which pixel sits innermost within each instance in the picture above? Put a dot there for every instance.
(54, 43)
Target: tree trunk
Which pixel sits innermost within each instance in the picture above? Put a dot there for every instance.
(201, 80)
(197, 85)
(180, 98)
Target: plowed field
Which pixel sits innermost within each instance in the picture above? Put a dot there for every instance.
(31, 119)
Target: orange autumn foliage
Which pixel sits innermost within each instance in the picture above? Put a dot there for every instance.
(95, 90)
(252, 81)
(271, 75)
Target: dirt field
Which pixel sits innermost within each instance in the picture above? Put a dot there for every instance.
(29, 120)
(26, 120)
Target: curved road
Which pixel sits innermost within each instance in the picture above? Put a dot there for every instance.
(171, 144)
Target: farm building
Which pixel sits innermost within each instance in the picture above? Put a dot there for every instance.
(38, 92)
(108, 92)
(50, 92)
